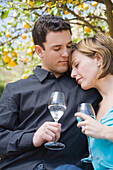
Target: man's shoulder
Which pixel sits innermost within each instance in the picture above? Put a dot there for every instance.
(22, 84)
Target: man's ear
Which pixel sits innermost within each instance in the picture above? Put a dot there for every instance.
(39, 50)
(98, 59)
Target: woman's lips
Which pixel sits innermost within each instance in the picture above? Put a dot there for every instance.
(78, 80)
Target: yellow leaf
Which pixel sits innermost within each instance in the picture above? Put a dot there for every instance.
(14, 54)
(94, 3)
(30, 3)
(7, 34)
(6, 59)
(65, 12)
(30, 51)
(24, 76)
(86, 29)
(68, 1)
(24, 36)
(85, 6)
(49, 4)
(12, 64)
(26, 26)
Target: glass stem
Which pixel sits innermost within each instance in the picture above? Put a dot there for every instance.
(54, 141)
(90, 152)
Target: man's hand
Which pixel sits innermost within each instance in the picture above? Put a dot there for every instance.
(46, 133)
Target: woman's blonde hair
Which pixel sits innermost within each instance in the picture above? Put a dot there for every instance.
(98, 44)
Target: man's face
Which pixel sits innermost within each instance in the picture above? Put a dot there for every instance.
(56, 54)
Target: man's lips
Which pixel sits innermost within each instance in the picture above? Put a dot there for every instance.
(63, 61)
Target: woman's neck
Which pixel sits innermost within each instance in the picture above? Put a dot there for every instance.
(105, 86)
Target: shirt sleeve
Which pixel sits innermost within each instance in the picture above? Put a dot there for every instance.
(13, 141)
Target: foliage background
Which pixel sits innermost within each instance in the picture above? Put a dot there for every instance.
(17, 54)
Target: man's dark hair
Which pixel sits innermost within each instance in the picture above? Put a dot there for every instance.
(45, 24)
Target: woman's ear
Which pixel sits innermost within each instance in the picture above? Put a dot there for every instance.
(98, 59)
(39, 50)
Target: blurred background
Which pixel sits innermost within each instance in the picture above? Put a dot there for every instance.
(17, 55)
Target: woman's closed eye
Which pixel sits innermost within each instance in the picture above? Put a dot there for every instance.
(76, 65)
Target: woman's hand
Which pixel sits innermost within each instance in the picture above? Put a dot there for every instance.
(90, 126)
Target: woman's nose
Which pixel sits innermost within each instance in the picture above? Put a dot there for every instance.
(73, 73)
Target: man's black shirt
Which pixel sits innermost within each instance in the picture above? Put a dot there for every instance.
(24, 108)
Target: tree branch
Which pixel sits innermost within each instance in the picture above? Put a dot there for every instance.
(99, 1)
(96, 17)
(33, 8)
(78, 17)
(1, 44)
(77, 23)
(108, 4)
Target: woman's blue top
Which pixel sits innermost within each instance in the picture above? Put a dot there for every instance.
(102, 148)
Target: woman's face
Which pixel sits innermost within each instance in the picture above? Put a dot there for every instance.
(84, 69)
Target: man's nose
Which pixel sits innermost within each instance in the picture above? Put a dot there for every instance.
(65, 53)
(73, 73)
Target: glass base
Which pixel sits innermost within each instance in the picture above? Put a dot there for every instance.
(88, 159)
(105, 165)
(54, 145)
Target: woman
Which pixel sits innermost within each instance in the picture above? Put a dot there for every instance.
(92, 67)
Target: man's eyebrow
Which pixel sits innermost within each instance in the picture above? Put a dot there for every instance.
(60, 45)
(70, 42)
(56, 45)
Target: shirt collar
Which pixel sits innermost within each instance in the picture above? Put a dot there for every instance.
(41, 74)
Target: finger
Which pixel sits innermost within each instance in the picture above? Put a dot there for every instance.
(54, 130)
(52, 125)
(55, 124)
(81, 124)
(57, 136)
(86, 132)
(50, 133)
(83, 130)
(82, 115)
(48, 138)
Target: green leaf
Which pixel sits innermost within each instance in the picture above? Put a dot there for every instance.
(4, 26)
(4, 14)
(9, 23)
(15, 24)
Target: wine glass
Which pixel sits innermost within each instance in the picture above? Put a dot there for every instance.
(56, 106)
(87, 109)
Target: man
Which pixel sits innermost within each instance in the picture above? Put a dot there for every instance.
(25, 121)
